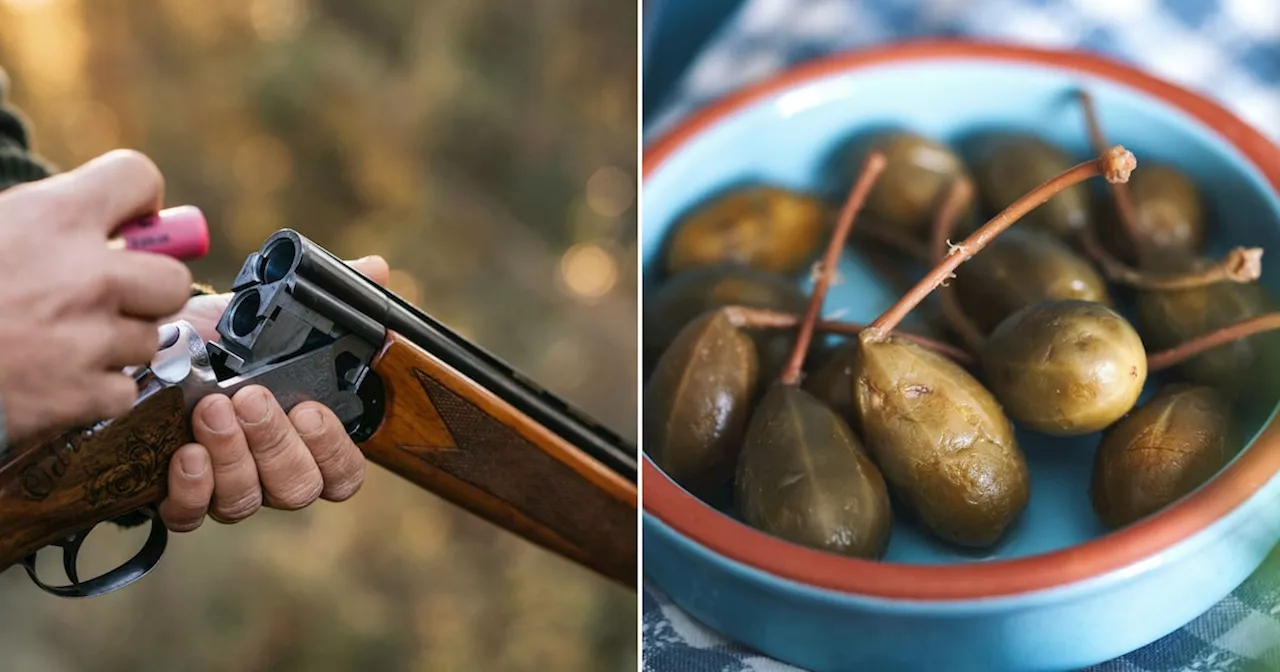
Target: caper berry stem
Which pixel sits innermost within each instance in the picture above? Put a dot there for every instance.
(871, 169)
(957, 197)
(1241, 264)
(1180, 353)
(759, 318)
(1115, 165)
(1119, 191)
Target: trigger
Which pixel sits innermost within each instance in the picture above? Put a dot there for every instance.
(71, 554)
(133, 569)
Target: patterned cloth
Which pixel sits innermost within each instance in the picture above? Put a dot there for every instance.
(1239, 634)
(1228, 50)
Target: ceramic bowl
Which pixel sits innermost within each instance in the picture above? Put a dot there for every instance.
(1061, 592)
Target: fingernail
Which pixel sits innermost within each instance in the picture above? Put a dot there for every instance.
(308, 422)
(193, 463)
(218, 416)
(253, 409)
(168, 336)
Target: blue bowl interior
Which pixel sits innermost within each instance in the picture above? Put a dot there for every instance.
(791, 139)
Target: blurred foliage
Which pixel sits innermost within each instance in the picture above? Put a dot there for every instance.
(488, 150)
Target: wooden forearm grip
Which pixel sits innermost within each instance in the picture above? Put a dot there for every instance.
(453, 437)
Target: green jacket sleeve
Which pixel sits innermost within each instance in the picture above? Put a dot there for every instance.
(17, 162)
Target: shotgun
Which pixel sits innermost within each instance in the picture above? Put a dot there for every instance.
(418, 399)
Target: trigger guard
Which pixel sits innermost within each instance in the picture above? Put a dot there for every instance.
(131, 570)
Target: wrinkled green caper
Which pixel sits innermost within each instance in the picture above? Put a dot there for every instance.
(941, 441)
(1240, 368)
(698, 402)
(1022, 267)
(917, 174)
(803, 477)
(766, 227)
(687, 295)
(1168, 212)
(1065, 367)
(1162, 451)
(1008, 165)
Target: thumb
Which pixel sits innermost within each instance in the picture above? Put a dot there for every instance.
(375, 268)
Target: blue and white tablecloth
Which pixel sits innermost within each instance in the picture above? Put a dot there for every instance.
(1228, 50)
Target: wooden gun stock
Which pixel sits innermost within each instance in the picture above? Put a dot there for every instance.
(66, 483)
(458, 440)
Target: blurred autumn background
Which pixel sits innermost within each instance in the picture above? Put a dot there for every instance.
(488, 150)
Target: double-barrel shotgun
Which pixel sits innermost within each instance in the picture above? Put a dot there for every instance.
(418, 399)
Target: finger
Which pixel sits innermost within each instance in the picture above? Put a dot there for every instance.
(375, 268)
(236, 491)
(116, 187)
(340, 462)
(129, 342)
(148, 285)
(290, 478)
(190, 489)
